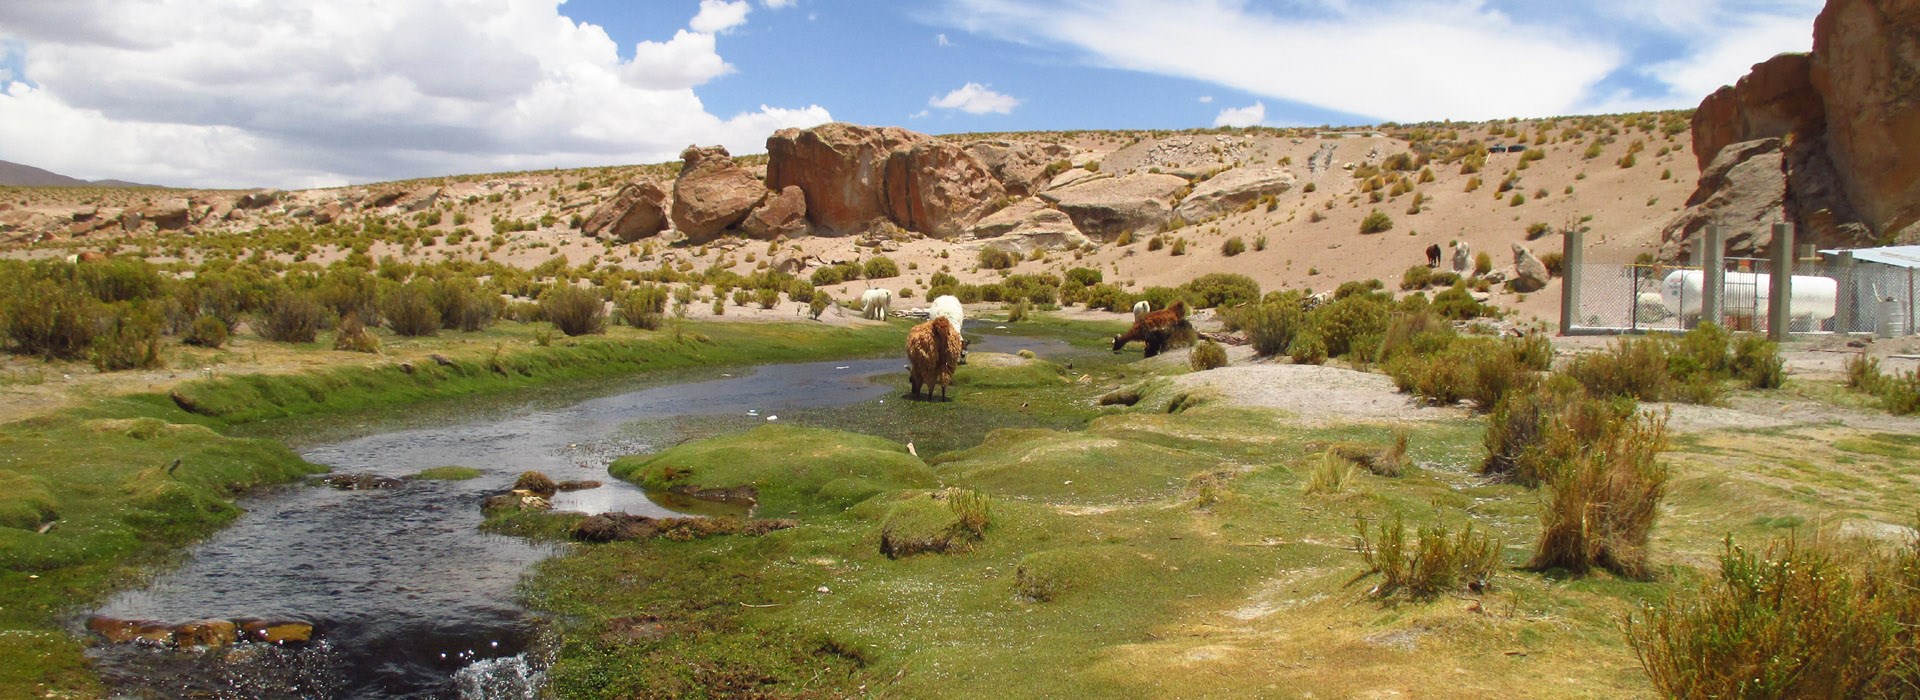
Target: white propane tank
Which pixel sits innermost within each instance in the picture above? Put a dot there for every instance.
(1813, 297)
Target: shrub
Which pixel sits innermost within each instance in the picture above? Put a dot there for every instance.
(881, 267)
(463, 304)
(1555, 262)
(643, 306)
(1017, 311)
(742, 297)
(1538, 229)
(1346, 324)
(1179, 247)
(130, 339)
(1233, 246)
(1308, 348)
(1757, 362)
(1416, 277)
(290, 318)
(819, 303)
(1219, 289)
(1793, 623)
(1376, 222)
(769, 297)
(1900, 393)
(206, 332)
(1702, 350)
(1630, 367)
(351, 336)
(1602, 503)
(1207, 355)
(1155, 243)
(410, 311)
(835, 274)
(1083, 276)
(992, 258)
(51, 320)
(797, 290)
(1109, 297)
(1458, 304)
(1536, 428)
(1270, 326)
(1482, 263)
(1439, 562)
(573, 310)
(1330, 474)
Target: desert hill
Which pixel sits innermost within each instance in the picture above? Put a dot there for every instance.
(21, 175)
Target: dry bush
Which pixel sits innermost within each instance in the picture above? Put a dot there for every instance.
(1270, 327)
(573, 310)
(1388, 461)
(206, 332)
(1793, 623)
(50, 320)
(1207, 355)
(1531, 432)
(410, 311)
(1631, 367)
(1757, 362)
(290, 318)
(1440, 561)
(351, 336)
(129, 339)
(1330, 474)
(1602, 502)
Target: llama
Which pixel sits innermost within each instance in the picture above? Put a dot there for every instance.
(1433, 255)
(948, 307)
(874, 304)
(1160, 330)
(933, 350)
(1141, 309)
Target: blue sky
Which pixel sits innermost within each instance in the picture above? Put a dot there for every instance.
(339, 91)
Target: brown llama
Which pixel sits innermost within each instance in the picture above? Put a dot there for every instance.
(1160, 330)
(933, 350)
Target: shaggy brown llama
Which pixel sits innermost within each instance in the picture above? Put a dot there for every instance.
(933, 350)
(1160, 330)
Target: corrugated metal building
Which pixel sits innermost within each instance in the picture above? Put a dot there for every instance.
(1882, 287)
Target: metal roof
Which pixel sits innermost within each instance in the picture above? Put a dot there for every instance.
(1907, 256)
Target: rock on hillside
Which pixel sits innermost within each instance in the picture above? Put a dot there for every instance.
(1029, 225)
(637, 211)
(783, 214)
(855, 176)
(1020, 167)
(1850, 112)
(712, 193)
(1232, 189)
(1106, 208)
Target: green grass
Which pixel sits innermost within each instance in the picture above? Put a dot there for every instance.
(792, 468)
(448, 474)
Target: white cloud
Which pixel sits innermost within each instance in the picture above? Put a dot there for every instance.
(1206, 99)
(349, 91)
(974, 98)
(717, 16)
(1242, 116)
(1730, 53)
(941, 39)
(922, 114)
(778, 4)
(686, 60)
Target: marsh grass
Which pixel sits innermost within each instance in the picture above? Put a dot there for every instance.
(1603, 499)
(1330, 474)
(1437, 561)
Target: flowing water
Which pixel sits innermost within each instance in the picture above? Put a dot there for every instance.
(409, 598)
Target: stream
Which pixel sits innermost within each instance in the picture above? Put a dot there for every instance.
(408, 598)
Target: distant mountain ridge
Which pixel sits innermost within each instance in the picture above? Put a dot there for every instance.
(18, 175)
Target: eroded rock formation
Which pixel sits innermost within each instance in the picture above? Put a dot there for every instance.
(637, 211)
(856, 176)
(712, 193)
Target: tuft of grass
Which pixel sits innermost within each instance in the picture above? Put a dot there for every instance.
(351, 335)
(1602, 502)
(1330, 474)
(1439, 560)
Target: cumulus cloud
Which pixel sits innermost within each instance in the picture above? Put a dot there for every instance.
(974, 98)
(720, 15)
(1242, 116)
(350, 91)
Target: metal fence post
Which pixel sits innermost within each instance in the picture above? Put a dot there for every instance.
(1843, 321)
(1780, 291)
(1713, 274)
(1572, 272)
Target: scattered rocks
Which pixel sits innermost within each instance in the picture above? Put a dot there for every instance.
(360, 482)
(202, 634)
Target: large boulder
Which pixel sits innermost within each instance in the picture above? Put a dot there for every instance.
(1741, 192)
(1020, 167)
(1029, 225)
(1529, 273)
(1106, 208)
(637, 211)
(712, 193)
(1074, 176)
(855, 176)
(170, 215)
(1228, 191)
(417, 200)
(1866, 67)
(1774, 100)
(783, 214)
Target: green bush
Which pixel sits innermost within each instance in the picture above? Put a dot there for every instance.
(1456, 303)
(290, 318)
(1703, 349)
(206, 332)
(1602, 503)
(1270, 326)
(1482, 263)
(768, 297)
(350, 335)
(1535, 429)
(1084, 276)
(409, 309)
(1207, 355)
(1416, 277)
(1233, 246)
(1376, 222)
(881, 267)
(129, 339)
(1440, 561)
(573, 310)
(1757, 362)
(1108, 297)
(463, 304)
(118, 279)
(1346, 325)
(1630, 367)
(1179, 247)
(1308, 348)
(992, 258)
(797, 290)
(50, 320)
(1219, 289)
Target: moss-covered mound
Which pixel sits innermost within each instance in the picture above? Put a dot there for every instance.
(24, 501)
(788, 468)
(938, 522)
(1077, 467)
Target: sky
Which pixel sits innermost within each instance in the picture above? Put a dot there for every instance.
(309, 93)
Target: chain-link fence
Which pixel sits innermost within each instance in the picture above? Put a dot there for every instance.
(1826, 295)
(1630, 299)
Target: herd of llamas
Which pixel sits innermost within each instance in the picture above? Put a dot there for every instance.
(936, 348)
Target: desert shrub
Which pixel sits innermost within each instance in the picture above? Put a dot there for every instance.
(827, 275)
(1439, 561)
(1702, 350)
(1376, 222)
(1482, 263)
(463, 304)
(1207, 355)
(643, 306)
(1535, 351)
(409, 309)
(1109, 297)
(128, 339)
(742, 297)
(1179, 247)
(1345, 325)
(797, 290)
(1270, 326)
(1219, 289)
(1601, 504)
(1085, 276)
(1458, 304)
(1156, 243)
(1757, 362)
(1330, 474)
(1389, 461)
(880, 267)
(1792, 623)
(49, 319)
(1900, 393)
(1233, 246)
(350, 335)
(768, 297)
(573, 310)
(1416, 277)
(1163, 297)
(1308, 348)
(1863, 373)
(290, 318)
(1555, 263)
(1631, 367)
(206, 332)
(1415, 333)
(1536, 428)
(119, 278)
(1538, 229)
(992, 258)
(818, 304)
(1017, 311)
(346, 289)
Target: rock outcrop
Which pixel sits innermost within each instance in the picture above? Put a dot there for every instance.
(1228, 191)
(1106, 208)
(712, 193)
(783, 214)
(1529, 273)
(1848, 117)
(1029, 225)
(638, 210)
(856, 176)
(1020, 167)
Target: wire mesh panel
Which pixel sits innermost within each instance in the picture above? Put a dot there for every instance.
(1634, 298)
